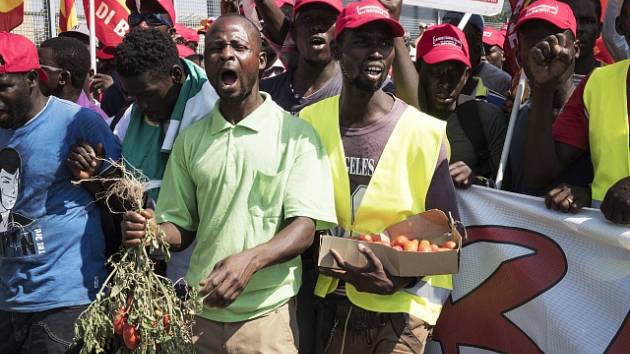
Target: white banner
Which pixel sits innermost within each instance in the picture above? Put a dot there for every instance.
(536, 281)
(481, 7)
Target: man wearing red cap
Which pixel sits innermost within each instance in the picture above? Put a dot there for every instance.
(52, 260)
(475, 129)
(547, 51)
(186, 36)
(594, 121)
(316, 75)
(365, 310)
(493, 40)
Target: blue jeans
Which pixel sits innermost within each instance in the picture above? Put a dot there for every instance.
(50, 331)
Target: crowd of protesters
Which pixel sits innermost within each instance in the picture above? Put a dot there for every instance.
(305, 118)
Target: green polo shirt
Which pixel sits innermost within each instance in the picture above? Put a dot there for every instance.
(235, 185)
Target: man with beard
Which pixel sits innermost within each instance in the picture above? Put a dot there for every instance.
(390, 159)
(248, 183)
(66, 62)
(316, 75)
(594, 121)
(52, 260)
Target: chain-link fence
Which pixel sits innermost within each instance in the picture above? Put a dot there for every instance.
(37, 16)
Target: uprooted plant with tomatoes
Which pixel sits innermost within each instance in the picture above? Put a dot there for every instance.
(136, 310)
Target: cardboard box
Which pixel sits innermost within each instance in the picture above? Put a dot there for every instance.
(432, 225)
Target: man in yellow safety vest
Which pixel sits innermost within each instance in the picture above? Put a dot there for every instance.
(389, 161)
(595, 121)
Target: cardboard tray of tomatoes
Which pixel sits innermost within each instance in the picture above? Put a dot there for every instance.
(425, 244)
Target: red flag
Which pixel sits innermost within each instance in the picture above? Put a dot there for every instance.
(110, 20)
(11, 14)
(67, 15)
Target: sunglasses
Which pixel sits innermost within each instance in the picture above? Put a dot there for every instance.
(152, 19)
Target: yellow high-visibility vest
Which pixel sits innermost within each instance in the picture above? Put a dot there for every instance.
(397, 190)
(605, 98)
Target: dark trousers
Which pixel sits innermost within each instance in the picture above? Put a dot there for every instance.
(344, 328)
(306, 308)
(50, 332)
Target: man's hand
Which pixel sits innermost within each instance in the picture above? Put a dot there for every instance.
(372, 278)
(461, 174)
(550, 59)
(616, 204)
(228, 280)
(134, 227)
(100, 83)
(567, 199)
(394, 7)
(84, 161)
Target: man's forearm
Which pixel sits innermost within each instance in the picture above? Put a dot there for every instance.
(276, 24)
(405, 74)
(540, 158)
(175, 236)
(286, 244)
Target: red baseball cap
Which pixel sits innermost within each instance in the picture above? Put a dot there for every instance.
(167, 5)
(442, 43)
(19, 55)
(557, 13)
(184, 51)
(493, 36)
(335, 4)
(190, 35)
(358, 14)
(106, 53)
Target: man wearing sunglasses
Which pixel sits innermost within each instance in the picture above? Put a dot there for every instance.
(145, 14)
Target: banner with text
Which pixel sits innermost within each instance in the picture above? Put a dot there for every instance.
(110, 20)
(481, 7)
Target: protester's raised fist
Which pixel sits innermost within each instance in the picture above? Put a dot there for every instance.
(616, 204)
(550, 59)
(84, 161)
(134, 226)
(394, 7)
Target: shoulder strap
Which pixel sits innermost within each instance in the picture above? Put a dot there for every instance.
(471, 125)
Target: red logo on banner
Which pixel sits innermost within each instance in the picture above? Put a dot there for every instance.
(478, 318)
(111, 21)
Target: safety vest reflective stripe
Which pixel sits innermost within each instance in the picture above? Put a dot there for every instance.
(605, 99)
(432, 293)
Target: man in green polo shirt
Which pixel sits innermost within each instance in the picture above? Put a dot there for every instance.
(249, 183)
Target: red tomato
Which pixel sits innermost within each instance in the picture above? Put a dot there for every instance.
(450, 244)
(400, 240)
(367, 238)
(131, 337)
(411, 246)
(166, 321)
(119, 320)
(397, 247)
(376, 238)
(424, 246)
